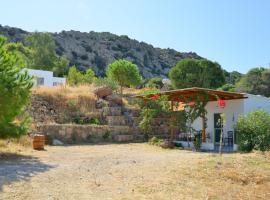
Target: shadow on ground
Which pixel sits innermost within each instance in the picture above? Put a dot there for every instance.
(15, 167)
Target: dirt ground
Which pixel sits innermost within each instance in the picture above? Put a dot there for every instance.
(132, 171)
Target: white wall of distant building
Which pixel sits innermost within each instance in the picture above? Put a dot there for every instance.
(45, 78)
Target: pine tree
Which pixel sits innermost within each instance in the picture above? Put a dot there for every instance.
(15, 90)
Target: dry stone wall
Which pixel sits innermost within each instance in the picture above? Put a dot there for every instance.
(72, 133)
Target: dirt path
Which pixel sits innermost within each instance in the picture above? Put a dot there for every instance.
(113, 171)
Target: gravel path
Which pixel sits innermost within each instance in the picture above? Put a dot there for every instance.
(107, 171)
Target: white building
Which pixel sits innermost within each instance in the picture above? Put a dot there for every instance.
(45, 78)
(236, 104)
(233, 109)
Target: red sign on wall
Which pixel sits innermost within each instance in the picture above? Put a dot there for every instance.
(221, 103)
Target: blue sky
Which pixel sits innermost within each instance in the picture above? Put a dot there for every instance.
(235, 33)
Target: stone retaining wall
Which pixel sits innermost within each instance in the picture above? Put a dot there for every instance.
(72, 133)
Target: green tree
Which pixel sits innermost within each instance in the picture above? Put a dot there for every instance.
(15, 89)
(253, 131)
(228, 87)
(266, 83)
(89, 76)
(22, 52)
(256, 81)
(74, 77)
(60, 65)
(212, 74)
(232, 77)
(124, 73)
(43, 55)
(196, 73)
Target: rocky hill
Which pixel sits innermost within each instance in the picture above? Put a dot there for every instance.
(96, 50)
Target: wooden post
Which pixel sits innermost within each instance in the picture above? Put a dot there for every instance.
(172, 121)
(203, 128)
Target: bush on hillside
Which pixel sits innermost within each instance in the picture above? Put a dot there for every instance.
(76, 77)
(106, 82)
(155, 82)
(253, 131)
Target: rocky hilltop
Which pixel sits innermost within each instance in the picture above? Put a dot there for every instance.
(96, 50)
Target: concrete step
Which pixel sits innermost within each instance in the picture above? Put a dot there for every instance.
(112, 111)
(116, 120)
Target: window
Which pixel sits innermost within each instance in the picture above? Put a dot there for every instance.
(40, 81)
(56, 83)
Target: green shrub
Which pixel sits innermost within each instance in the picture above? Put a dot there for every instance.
(253, 131)
(106, 135)
(155, 82)
(78, 120)
(49, 140)
(198, 142)
(155, 141)
(95, 121)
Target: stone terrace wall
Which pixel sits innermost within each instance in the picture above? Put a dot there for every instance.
(72, 133)
(160, 127)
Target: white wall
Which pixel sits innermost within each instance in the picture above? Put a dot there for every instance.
(59, 81)
(256, 102)
(49, 80)
(47, 75)
(232, 111)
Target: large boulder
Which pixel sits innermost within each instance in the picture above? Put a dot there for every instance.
(115, 99)
(102, 92)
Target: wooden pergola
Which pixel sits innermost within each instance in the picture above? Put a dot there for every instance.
(191, 94)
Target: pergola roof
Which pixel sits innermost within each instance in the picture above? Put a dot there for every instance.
(181, 95)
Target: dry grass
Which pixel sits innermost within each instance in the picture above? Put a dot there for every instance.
(67, 91)
(69, 100)
(134, 91)
(15, 145)
(80, 97)
(141, 171)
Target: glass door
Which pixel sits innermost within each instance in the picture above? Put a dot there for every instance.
(218, 126)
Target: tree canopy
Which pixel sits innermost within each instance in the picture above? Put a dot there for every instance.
(15, 92)
(256, 81)
(197, 73)
(125, 73)
(76, 77)
(42, 46)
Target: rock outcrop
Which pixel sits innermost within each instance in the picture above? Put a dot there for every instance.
(97, 50)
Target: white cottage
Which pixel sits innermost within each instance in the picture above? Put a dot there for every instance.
(232, 110)
(45, 78)
(235, 104)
